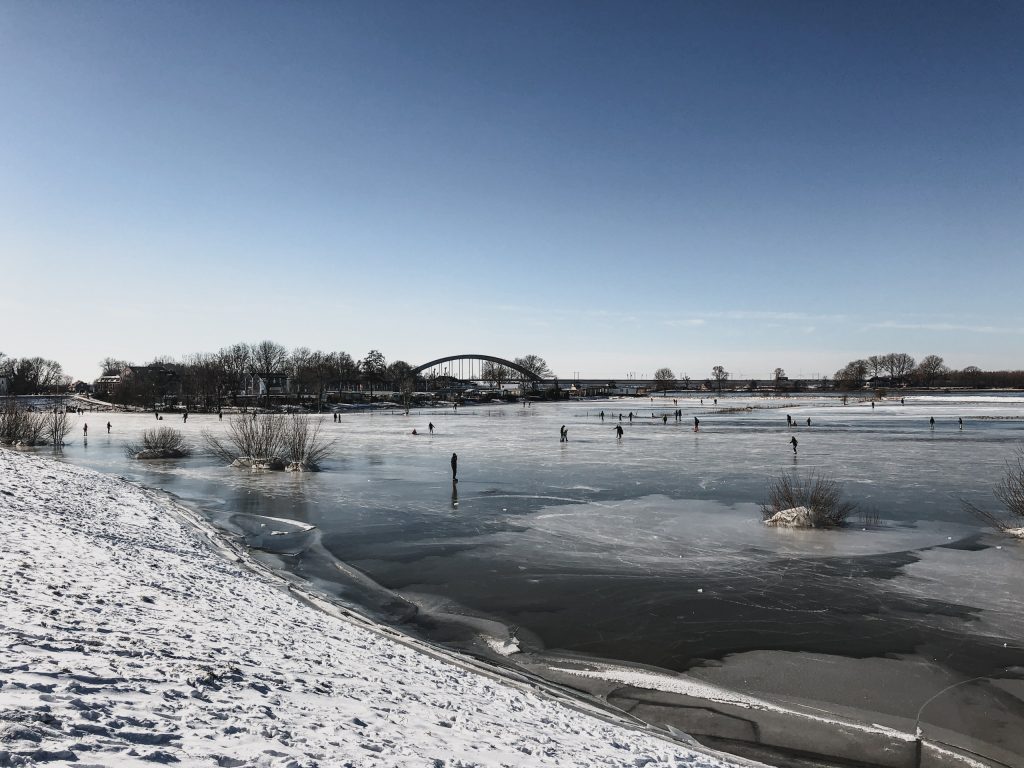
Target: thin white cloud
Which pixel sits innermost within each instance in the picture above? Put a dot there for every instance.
(947, 327)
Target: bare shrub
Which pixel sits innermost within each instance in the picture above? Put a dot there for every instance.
(271, 441)
(1010, 491)
(305, 444)
(256, 439)
(58, 425)
(820, 495)
(21, 426)
(159, 443)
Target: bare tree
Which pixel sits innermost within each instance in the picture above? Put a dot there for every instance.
(664, 379)
(267, 358)
(779, 375)
(112, 366)
(720, 376)
(534, 364)
(875, 364)
(374, 367)
(685, 379)
(852, 375)
(898, 365)
(235, 363)
(496, 373)
(931, 368)
(58, 425)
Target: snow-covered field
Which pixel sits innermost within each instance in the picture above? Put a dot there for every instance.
(131, 634)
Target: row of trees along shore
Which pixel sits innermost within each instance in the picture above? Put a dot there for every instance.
(207, 380)
(896, 369)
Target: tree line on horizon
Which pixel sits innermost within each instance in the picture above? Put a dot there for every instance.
(204, 379)
(895, 369)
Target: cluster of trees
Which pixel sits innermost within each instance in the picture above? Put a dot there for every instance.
(665, 379)
(32, 375)
(899, 369)
(205, 380)
(499, 374)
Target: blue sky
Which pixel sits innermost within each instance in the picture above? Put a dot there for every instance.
(613, 186)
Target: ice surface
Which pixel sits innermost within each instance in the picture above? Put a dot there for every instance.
(650, 549)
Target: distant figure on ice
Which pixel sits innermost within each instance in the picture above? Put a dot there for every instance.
(789, 420)
(455, 468)
(618, 431)
(563, 435)
(414, 431)
(430, 426)
(85, 430)
(961, 422)
(808, 421)
(156, 414)
(872, 405)
(716, 401)
(602, 415)
(793, 441)
(664, 418)
(334, 417)
(931, 421)
(108, 426)
(220, 415)
(902, 401)
(630, 417)
(696, 424)
(184, 417)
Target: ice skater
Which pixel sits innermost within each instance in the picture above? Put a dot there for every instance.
(430, 427)
(220, 415)
(85, 430)
(808, 421)
(618, 431)
(696, 424)
(184, 417)
(793, 441)
(108, 426)
(931, 421)
(789, 420)
(961, 421)
(455, 468)
(563, 435)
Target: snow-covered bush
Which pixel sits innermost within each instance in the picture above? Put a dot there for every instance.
(159, 443)
(271, 441)
(814, 501)
(1009, 491)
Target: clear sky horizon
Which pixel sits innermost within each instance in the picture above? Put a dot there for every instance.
(615, 187)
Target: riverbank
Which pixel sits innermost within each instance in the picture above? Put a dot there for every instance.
(128, 639)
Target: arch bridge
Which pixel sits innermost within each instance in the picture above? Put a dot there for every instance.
(469, 367)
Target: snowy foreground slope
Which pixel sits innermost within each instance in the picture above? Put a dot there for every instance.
(126, 639)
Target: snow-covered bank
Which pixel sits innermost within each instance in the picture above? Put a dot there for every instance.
(126, 640)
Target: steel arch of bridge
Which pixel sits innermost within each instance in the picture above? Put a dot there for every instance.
(500, 361)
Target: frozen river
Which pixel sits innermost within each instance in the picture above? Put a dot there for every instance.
(623, 566)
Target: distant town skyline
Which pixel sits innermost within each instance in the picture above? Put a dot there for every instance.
(613, 187)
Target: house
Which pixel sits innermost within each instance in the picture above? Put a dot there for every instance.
(105, 386)
(275, 384)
